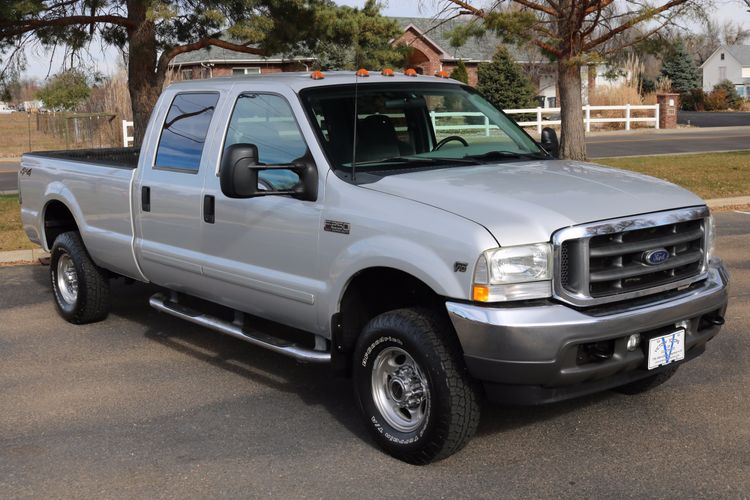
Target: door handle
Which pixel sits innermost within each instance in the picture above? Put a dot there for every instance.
(145, 198)
(209, 204)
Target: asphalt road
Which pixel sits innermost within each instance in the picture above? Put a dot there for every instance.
(713, 119)
(144, 405)
(644, 143)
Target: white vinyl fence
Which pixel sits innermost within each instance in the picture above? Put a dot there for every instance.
(441, 121)
(627, 117)
(127, 139)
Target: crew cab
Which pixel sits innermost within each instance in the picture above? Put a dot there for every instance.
(396, 227)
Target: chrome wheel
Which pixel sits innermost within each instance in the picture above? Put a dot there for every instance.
(67, 279)
(400, 390)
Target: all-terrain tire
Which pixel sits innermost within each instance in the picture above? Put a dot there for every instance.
(449, 414)
(648, 383)
(89, 302)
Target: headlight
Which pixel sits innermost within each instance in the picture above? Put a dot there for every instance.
(710, 238)
(513, 273)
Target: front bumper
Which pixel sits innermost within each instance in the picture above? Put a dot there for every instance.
(532, 354)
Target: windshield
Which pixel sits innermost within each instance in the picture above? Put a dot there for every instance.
(413, 125)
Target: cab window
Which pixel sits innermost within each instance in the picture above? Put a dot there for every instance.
(184, 131)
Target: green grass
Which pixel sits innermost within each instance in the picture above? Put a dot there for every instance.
(710, 175)
(12, 236)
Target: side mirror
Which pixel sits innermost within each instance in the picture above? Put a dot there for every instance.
(549, 142)
(238, 175)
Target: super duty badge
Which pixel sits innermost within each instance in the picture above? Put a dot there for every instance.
(335, 226)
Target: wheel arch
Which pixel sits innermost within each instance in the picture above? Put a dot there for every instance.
(57, 218)
(368, 293)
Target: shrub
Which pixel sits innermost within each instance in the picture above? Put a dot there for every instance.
(693, 100)
(734, 100)
(716, 100)
(459, 72)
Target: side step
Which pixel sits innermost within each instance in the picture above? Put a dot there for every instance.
(162, 303)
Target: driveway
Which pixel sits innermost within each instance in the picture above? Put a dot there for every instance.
(144, 405)
(713, 119)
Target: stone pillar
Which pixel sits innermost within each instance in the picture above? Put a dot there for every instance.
(668, 106)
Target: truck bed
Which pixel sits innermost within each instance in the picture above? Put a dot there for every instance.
(95, 186)
(110, 157)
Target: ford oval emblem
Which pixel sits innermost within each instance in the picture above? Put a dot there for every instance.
(655, 257)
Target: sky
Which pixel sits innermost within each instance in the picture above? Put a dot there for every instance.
(107, 60)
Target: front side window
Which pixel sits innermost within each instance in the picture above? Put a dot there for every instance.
(403, 125)
(184, 132)
(268, 122)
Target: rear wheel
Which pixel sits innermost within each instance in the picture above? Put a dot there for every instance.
(648, 383)
(416, 396)
(81, 288)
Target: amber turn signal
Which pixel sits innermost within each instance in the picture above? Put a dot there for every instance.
(480, 293)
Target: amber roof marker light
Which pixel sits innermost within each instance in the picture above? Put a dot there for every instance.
(317, 75)
(442, 74)
(410, 72)
(362, 72)
(387, 72)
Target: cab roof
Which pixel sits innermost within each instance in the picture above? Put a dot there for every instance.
(302, 80)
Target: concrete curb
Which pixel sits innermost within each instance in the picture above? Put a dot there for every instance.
(23, 256)
(736, 201)
(13, 191)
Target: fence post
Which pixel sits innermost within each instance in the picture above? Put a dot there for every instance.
(657, 116)
(539, 120)
(486, 126)
(434, 123)
(588, 117)
(627, 117)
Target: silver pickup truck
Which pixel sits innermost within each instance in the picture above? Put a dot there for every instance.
(396, 227)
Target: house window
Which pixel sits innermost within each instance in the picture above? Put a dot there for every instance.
(722, 56)
(246, 71)
(186, 74)
(722, 73)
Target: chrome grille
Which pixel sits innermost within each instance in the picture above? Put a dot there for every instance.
(606, 261)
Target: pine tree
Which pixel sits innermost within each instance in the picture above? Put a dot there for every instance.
(503, 82)
(680, 68)
(459, 72)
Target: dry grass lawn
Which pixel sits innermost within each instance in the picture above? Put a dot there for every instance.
(710, 175)
(12, 236)
(14, 131)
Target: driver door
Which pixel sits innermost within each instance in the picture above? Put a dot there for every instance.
(260, 252)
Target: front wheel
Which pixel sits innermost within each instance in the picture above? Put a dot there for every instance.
(412, 385)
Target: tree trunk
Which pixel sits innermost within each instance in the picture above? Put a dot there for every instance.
(572, 136)
(144, 82)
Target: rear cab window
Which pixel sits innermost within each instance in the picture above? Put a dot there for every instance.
(184, 131)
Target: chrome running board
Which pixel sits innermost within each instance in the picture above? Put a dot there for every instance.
(162, 303)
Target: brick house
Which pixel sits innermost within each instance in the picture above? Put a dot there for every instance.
(430, 52)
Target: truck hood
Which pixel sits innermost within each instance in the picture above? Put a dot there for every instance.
(525, 202)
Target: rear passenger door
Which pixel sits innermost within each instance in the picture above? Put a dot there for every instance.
(170, 194)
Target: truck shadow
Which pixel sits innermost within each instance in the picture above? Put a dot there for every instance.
(314, 385)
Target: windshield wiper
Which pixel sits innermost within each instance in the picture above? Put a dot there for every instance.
(432, 160)
(502, 155)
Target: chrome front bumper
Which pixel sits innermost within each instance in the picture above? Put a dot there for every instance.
(539, 345)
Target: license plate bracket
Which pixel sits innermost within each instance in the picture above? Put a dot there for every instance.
(666, 349)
